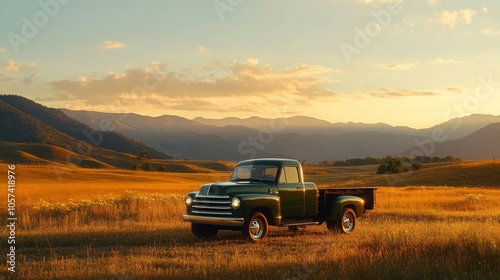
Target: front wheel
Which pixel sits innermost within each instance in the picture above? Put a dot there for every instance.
(345, 224)
(255, 229)
(204, 231)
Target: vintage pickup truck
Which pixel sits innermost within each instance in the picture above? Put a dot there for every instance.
(264, 192)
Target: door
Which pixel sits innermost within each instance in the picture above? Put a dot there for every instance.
(291, 192)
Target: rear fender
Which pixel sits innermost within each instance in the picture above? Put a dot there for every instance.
(354, 202)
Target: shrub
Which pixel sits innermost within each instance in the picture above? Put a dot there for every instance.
(392, 165)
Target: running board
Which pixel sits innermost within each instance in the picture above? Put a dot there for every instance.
(288, 224)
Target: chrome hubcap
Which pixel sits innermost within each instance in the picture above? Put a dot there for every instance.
(256, 228)
(347, 223)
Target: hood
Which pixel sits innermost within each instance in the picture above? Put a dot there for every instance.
(232, 188)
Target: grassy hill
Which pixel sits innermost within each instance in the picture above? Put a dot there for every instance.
(461, 174)
(45, 154)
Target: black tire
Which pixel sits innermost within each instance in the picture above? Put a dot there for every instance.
(346, 224)
(204, 231)
(296, 229)
(255, 228)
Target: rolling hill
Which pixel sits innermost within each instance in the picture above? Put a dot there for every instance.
(45, 154)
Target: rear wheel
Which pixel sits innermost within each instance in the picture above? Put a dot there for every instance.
(204, 231)
(255, 229)
(345, 224)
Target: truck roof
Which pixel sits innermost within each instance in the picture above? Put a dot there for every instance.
(272, 161)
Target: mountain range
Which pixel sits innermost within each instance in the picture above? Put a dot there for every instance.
(234, 139)
(299, 137)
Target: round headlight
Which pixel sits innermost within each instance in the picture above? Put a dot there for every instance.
(188, 200)
(235, 203)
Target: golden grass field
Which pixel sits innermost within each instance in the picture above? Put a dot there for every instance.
(77, 223)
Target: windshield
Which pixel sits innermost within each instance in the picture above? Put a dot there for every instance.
(255, 172)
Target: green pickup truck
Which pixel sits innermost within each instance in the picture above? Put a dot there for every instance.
(264, 192)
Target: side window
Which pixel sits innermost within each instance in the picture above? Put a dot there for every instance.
(289, 175)
(292, 174)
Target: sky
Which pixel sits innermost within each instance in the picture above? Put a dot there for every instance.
(400, 62)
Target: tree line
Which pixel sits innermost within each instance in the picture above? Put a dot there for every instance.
(373, 160)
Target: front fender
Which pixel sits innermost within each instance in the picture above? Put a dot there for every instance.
(269, 203)
(346, 200)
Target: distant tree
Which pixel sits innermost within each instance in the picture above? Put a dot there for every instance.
(143, 155)
(416, 165)
(162, 168)
(136, 166)
(451, 159)
(436, 159)
(325, 163)
(148, 166)
(392, 165)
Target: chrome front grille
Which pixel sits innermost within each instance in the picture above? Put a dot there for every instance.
(218, 205)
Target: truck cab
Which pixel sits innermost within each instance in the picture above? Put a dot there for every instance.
(271, 192)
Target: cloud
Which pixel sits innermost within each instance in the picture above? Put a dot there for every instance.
(432, 2)
(109, 45)
(399, 66)
(201, 50)
(452, 18)
(455, 89)
(440, 60)
(189, 89)
(490, 32)
(3, 50)
(13, 66)
(389, 93)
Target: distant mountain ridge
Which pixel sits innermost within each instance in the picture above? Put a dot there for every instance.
(305, 125)
(481, 144)
(18, 126)
(24, 121)
(298, 137)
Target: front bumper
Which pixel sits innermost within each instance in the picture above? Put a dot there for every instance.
(219, 221)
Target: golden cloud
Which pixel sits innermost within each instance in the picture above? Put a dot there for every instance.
(399, 66)
(452, 18)
(109, 45)
(201, 50)
(193, 89)
(390, 93)
(13, 66)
